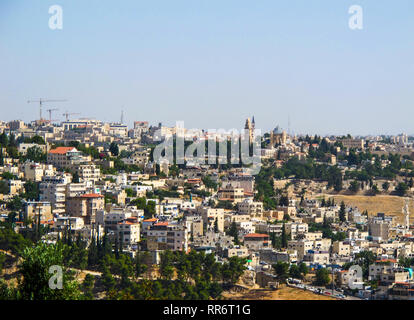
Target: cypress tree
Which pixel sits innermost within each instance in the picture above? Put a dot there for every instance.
(284, 237)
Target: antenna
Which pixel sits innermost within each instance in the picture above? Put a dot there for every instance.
(122, 116)
(288, 124)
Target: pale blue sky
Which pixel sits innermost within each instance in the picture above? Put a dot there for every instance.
(212, 63)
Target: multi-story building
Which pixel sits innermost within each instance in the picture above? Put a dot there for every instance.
(64, 157)
(53, 189)
(32, 210)
(341, 248)
(317, 257)
(301, 247)
(85, 206)
(250, 207)
(163, 235)
(88, 172)
(353, 143)
(210, 215)
(256, 241)
(23, 147)
(35, 171)
(231, 194)
(128, 233)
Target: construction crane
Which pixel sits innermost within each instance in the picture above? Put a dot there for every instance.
(50, 113)
(41, 101)
(67, 115)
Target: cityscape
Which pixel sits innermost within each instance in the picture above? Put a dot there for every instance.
(323, 218)
(206, 155)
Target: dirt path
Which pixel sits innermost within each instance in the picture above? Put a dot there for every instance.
(284, 293)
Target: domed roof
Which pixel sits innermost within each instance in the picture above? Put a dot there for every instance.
(277, 130)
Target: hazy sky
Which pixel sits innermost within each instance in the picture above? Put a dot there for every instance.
(212, 63)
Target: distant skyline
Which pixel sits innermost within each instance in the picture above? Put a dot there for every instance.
(213, 63)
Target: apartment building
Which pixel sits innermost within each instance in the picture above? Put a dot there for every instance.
(317, 257)
(256, 241)
(32, 210)
(85, 206)
(236, 251)
(296, 228)
(35, 171)
(245, 182)
(64, 157)
(128, 233)
(231, 194)
(72, 223)
(250, 207)
(301, 247)
(210, 215)
(53, 189)
(353, 143)
(88, 172)
(164, 236)
(341, 248)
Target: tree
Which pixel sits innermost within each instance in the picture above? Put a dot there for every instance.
(354, 186)
(35, 269)
(4, 187)
(7, 293)
(4, 140)
(386, 186)
(234, 232)
(284, 237)
(401, 189)
(35, 154)
(31, 190)
(140, 266)
(209, 183)
(364, 259)
(107, 279)
(114, 149)
(342, 216)
(166, 264)
(75, 178)
(374, 189)
(294, 272)
(37, 140)
(233, 269)
(281, 270)
(322, 277)
(87, 286)
(303, 269)
(2, 261)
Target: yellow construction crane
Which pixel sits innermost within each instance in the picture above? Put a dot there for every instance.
(41, 101)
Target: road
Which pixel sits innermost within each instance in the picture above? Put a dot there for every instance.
(323, 291)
